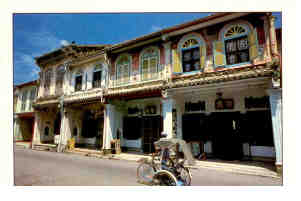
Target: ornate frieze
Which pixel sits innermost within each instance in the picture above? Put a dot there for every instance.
(221, 76)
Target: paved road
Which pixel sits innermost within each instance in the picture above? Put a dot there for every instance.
(40, 168)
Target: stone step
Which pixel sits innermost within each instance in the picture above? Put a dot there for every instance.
(44, 147)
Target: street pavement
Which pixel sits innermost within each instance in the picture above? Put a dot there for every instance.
(42, 168)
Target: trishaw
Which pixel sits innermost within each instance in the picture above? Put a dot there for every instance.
(168, 165)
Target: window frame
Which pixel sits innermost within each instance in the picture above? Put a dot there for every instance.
(24, 100)
(97, 68)
(78, 74)
(200, 42)
(247, 28)
(142, 58)
(60, 72)
(32, 96)
(118, 66)
(47, 81)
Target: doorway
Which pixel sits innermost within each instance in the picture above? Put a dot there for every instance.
(151, 127)
(226, 142)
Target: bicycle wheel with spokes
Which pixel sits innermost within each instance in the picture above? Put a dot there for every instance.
(185, 175)
(164, 178)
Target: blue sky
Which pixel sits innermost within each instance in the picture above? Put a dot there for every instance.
(36, 34)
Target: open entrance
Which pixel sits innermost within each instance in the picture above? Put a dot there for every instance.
(92, 131)
(226, 139)
(146, 128)
(221, 128)
(25, 130)
(57, 124)
(151, 133)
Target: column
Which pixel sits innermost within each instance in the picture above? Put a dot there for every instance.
(167, 67)
(37, 129)
(65, 131)
(273, 35)
(276, 111)
(108, 129)
(167, 116)
(267, 49)
(16, 128)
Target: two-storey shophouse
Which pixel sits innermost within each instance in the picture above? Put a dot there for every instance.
(210, 82)
(24, 96)
(70, 96)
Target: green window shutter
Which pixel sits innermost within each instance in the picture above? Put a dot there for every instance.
(253, 44)
(144, 70)
(153, 67)
(219, 53)
(202, 56)
(126, 71)
(176, 62)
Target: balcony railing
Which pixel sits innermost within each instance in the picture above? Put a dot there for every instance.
(96, 84)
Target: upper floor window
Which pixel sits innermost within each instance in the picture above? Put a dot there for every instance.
(47, 80)
(149, 64)
(32, 97)
(237, 44)
(24, 98)
(78, 81)
(59, 80)
(97, 76)
(123, 65)
(190, 55)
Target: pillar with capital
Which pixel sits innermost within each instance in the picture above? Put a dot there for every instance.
(276, 111)
(167, 105)
(273, 35)
(65, 131)
(167, 67)
(37, 129)
(108, 128)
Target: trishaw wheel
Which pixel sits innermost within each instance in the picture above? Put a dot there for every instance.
(165, 178)
(185, 176)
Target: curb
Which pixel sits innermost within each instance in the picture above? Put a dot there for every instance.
(228, 168)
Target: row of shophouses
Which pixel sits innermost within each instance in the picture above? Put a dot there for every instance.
(214, 82)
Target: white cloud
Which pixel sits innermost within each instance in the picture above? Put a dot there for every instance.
(155, 28)
(45, 41)
(64, 42)
(41, 43)
(25, 64)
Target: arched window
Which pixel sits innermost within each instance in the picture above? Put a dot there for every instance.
(123, 66)
(237, 44)
(78, 80)
(47, 81)
(97, 76)
(192, 49)
(24, 100)
(59, 79)
(32, 97)
(149, 61)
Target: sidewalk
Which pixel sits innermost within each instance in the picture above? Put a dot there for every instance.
(238, 167)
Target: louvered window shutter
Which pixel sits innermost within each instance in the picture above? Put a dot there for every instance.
(202, 56)
(145, 69)
(253, 44)
(176, 62)
(153, 67)
(219, 53)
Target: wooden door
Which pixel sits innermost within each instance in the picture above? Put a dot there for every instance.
(151, 132)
